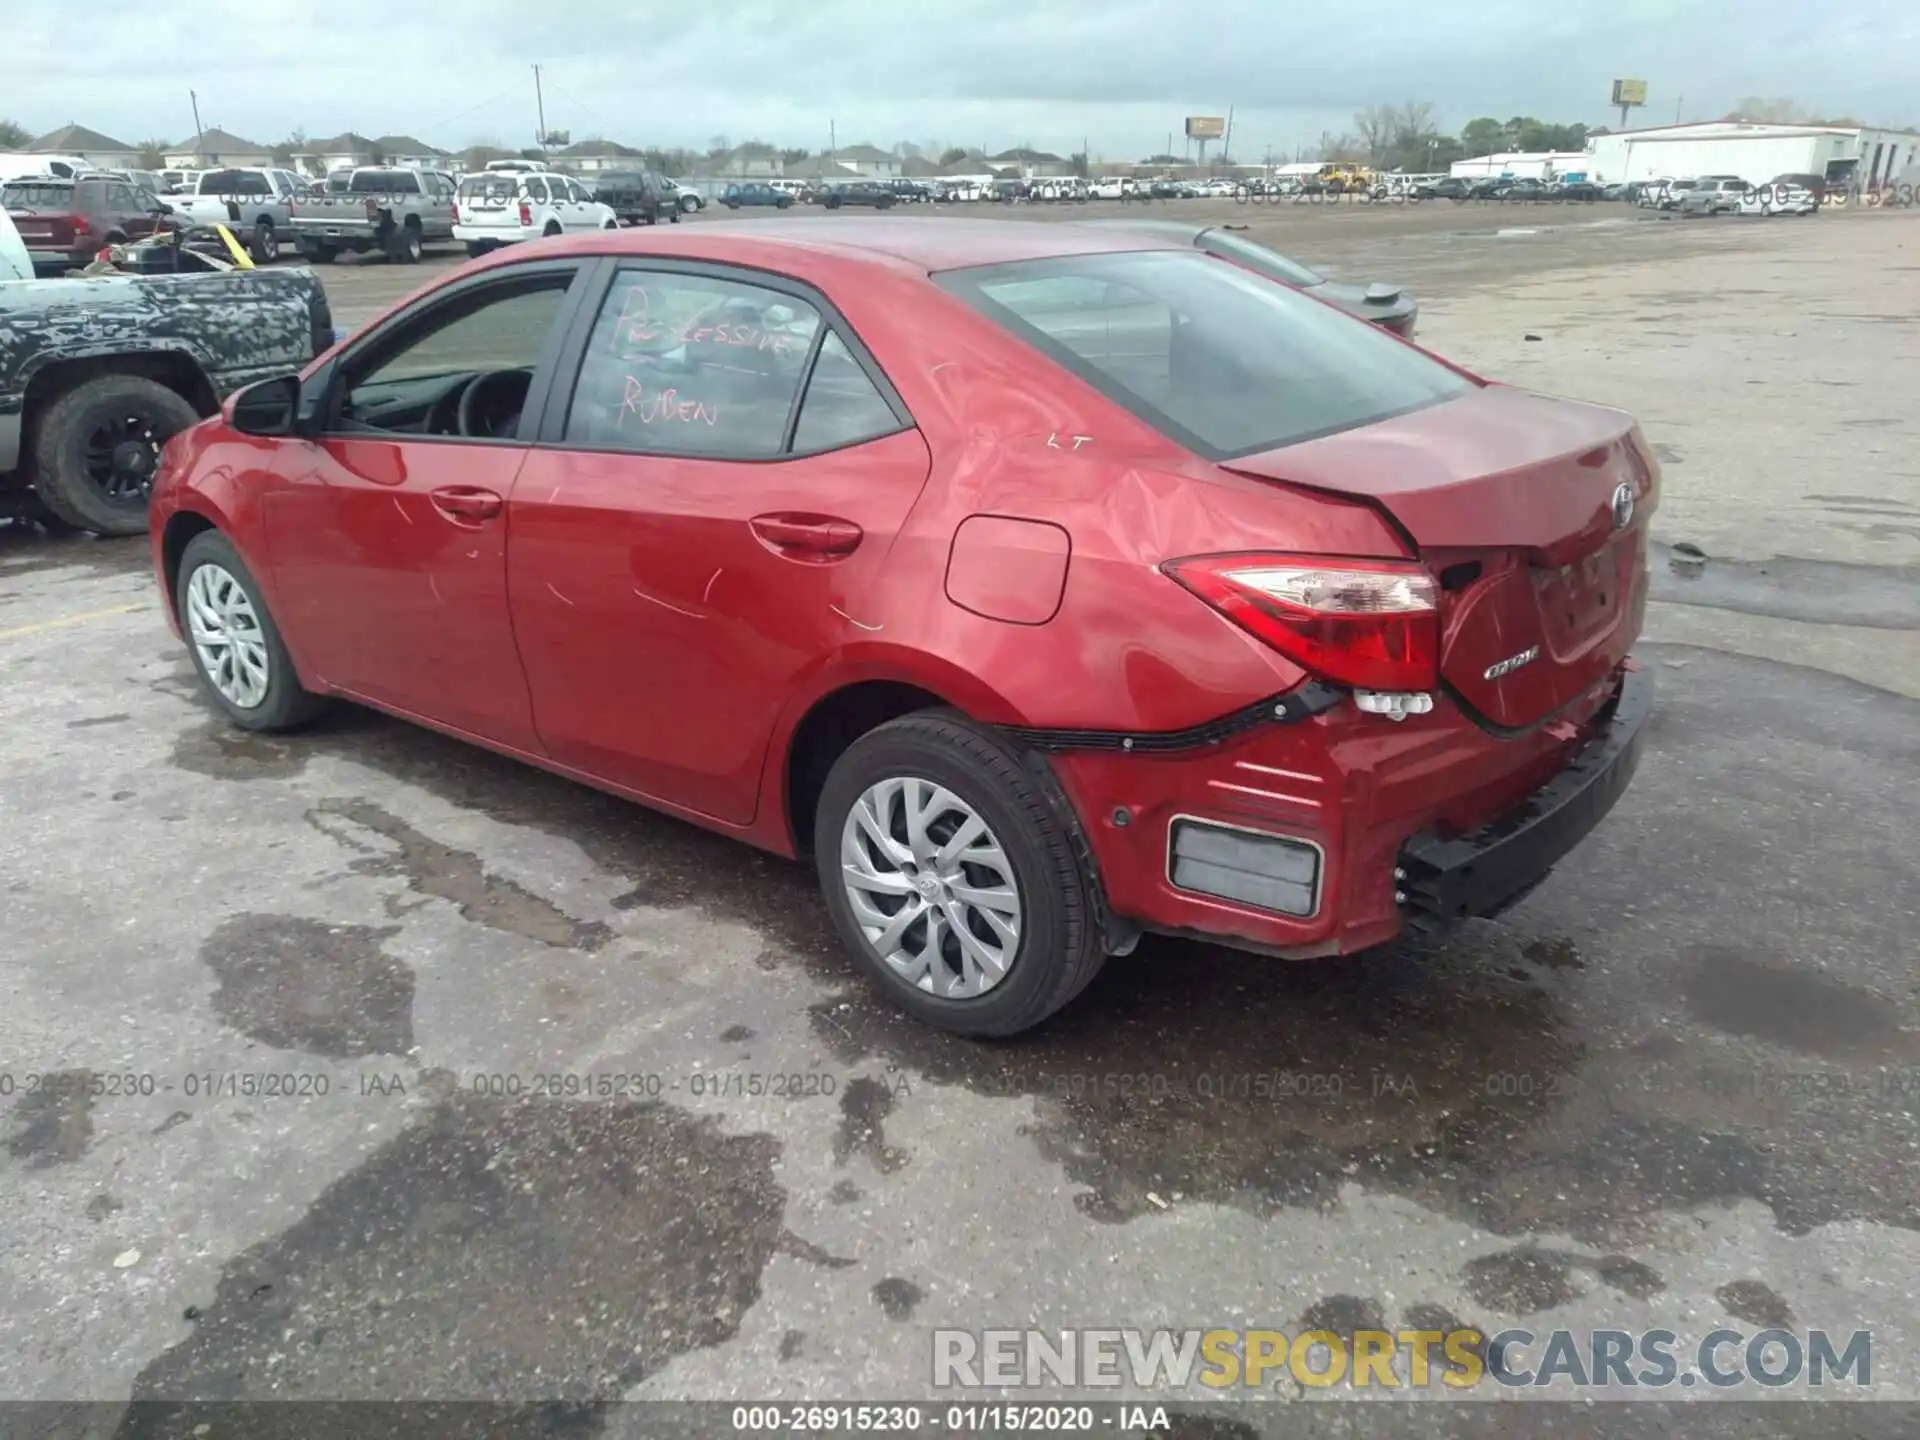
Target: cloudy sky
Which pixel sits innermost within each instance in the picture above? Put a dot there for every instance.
(1120, 73)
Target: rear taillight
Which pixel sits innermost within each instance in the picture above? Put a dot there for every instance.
(1370, 624)
(456, 212)
(526, 213)
(82, 225)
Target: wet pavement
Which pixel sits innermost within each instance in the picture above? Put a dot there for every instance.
(362, 1064)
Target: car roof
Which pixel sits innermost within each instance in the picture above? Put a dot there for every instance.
(926, 244)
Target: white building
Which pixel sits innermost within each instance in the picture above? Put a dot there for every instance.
(1525, 165)
(1756, 153)
(216, 149)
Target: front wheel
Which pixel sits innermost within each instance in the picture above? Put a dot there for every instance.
(951, 874)
(236, 648)
(407, 246)
(689, 204)
(265, 248)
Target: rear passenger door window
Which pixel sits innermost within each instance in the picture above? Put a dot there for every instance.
(692, 364)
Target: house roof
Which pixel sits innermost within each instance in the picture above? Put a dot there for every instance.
(406, 145)
(348, 142)
(1021, 155)
(916, 166)
(76, 139)
(868, 153)
(219, 142)
(600, 147)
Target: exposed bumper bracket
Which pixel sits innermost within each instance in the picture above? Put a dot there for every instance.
(1489, 869)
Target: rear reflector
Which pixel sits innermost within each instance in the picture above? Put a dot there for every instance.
(1244, 866)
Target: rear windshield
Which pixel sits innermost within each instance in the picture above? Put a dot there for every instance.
(234, 182)
(1259, 258)
(37, 195)
(1222, 361)
(494, 189)
(384, 182)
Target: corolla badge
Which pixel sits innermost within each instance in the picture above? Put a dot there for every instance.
(1622, 506)
(1513, 662)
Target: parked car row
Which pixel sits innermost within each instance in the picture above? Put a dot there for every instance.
(1731, 195)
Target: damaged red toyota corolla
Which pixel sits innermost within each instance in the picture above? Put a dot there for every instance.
(1047, 586)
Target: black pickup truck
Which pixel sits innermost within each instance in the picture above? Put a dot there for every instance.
(97, 373)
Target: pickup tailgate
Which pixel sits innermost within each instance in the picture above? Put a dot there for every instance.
(1533, 513)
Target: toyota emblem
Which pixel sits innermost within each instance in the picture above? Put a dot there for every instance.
(1622, 506)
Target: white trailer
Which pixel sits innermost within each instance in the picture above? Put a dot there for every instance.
(1524, 165)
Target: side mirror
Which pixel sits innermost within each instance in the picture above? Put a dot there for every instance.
(266, 408)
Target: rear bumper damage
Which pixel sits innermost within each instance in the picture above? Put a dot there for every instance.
(1327, 831)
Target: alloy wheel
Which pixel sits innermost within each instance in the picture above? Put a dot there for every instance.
(227, 635)
(930, 887)
(122, 454)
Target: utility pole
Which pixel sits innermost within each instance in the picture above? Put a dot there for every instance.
(1226, 141)
(199, 134)
(540, 105)
(833, 142)
(1676, 108)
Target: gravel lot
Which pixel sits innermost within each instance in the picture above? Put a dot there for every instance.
(1676, 1087)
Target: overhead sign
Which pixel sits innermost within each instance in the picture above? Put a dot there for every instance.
(1629, 92)
(1205, 127)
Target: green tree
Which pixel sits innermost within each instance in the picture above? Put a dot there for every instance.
(152, 154)
(953, 155)
(13, 136)
(1482, 136)
(794, 154)
(1078, 162)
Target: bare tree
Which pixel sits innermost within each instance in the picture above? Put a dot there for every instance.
(1375, 124)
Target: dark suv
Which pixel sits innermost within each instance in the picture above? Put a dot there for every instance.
(65, 223)
(858, 192)
(638, 197)
(754, 193)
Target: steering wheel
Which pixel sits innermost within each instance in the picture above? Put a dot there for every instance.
(506, 389)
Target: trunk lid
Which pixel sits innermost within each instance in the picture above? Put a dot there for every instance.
(1531, 511)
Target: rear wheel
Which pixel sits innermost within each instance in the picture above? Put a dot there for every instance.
(235, 645)
(952, 877)
(265, 247)
(405, 246)
(98, 447)
(477, 248)
(318, 254)
(553, 229)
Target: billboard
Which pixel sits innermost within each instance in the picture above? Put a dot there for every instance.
(1205, 127)
(1629, 92)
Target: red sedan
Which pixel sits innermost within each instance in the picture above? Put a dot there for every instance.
(1045, 586)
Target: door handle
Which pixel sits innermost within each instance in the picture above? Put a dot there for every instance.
(466, 502)
(811, 538)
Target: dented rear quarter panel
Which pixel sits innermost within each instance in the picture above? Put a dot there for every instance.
(234, 328)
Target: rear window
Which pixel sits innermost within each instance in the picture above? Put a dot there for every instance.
(494, 189)
(384, 182)
(1222, 361)
(1258, 258)
(234, 182)
(37, 195)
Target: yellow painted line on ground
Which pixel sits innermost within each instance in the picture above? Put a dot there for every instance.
(67, 620)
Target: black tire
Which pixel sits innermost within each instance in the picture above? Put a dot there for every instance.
(68, 479)
(318, 254)
(689, 204)
(287, 703)
(1059, 950)
(674, 218)
(833, 202)
(265, 245)
(553, 229)
(731, 204)
(404, 246)
(477, 248)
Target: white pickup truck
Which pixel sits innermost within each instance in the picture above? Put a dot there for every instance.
(254, 204)
(393, 210)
